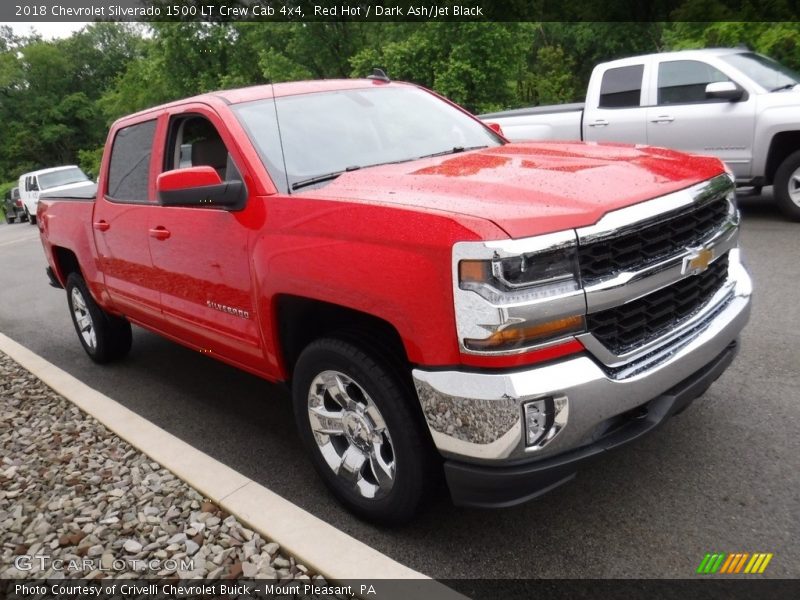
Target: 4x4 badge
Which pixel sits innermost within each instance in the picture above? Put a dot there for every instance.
(697, 263)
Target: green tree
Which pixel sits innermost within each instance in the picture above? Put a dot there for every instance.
(780, 40)
(49, 92)
(474, 64)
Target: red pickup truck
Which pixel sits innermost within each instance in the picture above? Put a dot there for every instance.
(439, 300)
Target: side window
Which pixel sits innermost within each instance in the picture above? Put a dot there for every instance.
(685, 81)
(621, 87)
(194, 142)
(129, 168)
(34, 184)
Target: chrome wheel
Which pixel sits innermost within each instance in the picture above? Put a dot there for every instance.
(83, 319)
(351, 434)
(794, 186)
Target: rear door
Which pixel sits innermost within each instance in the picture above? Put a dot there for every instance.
(124, 199)
(616, 112)
(685, 119)
(201, 253)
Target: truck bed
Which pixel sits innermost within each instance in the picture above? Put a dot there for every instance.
(74, 231)
(535, 110)
(561, 122)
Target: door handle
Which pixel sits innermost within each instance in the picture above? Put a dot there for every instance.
(160, 233)
(101, 225)
(663, 119)
(599, 123)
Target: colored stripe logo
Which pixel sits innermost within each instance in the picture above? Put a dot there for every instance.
(737, 562)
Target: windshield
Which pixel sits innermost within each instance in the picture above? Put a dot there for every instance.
(767, 73)
(62, 177)
(326, 133)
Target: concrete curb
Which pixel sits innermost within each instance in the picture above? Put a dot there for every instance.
(320, 546)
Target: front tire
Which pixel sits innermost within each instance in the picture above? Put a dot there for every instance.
(103, 336)
(787, 186)
(355, 419)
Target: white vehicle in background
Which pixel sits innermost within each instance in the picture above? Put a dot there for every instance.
(730, 102)
(65, 181)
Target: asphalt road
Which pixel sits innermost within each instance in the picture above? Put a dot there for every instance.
(722, 477)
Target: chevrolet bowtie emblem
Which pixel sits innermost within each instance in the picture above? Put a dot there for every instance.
(698, 262)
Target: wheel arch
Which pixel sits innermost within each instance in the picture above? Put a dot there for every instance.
(65, 262)
(781, 146)
(300, 320)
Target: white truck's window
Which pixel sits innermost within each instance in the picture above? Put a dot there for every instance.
(767, 73)
(621, 87)
(685, 81)
(130, 162)
(61, 177)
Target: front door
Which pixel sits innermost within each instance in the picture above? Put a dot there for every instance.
(685, 119)
(201, 254)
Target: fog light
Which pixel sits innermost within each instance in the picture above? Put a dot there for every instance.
(536, 421)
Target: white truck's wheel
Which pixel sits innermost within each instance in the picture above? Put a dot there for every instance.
(787, 186)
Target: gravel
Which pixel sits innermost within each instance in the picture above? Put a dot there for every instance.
(72, 491)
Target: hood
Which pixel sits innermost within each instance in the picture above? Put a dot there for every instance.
(529, 188)
(783, 99)
(80, 189)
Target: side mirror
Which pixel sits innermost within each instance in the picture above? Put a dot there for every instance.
(496, 128)
(724, 90)
(199, 186)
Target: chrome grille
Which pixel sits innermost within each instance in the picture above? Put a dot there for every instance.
(631, 325)
(650, 243)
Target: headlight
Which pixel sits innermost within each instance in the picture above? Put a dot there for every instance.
(514, 295)
(523, 277)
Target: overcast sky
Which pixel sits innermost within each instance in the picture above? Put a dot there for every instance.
(48, 30)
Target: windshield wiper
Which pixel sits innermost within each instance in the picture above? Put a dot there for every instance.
(453, 150)
(330, 176)
(321, 178)
(786, 86)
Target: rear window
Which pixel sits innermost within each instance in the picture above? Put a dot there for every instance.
(61, 177)
(621, 87)
(129, 167)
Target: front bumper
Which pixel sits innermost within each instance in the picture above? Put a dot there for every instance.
(476, 418)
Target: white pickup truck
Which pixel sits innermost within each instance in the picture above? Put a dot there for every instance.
(732, 103)
(59, 181)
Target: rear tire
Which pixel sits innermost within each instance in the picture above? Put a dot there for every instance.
(104, 337)
(379, 462)
(787, 186)
(10, 220)
(31, 218)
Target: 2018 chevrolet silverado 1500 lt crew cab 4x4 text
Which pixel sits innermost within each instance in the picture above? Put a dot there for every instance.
(439, 300)
(731, 103)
